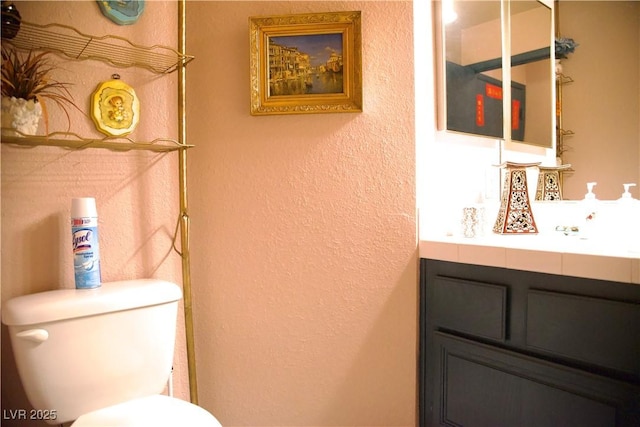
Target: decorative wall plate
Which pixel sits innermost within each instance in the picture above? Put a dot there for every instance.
(122, 12)
(115, 108)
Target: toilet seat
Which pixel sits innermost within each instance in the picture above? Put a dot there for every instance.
(152, 411)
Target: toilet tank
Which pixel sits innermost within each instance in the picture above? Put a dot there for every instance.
(79, 350)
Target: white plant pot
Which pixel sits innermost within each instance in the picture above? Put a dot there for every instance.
(558, 68)
(21, 115)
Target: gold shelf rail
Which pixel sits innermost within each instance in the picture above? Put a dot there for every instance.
(114, 50)
(74, 141)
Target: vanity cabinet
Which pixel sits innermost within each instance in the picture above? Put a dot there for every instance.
(502, 347)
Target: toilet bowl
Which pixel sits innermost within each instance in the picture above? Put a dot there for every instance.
(101, 357)
(153, 411)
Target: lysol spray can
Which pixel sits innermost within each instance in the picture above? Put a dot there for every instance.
(86, 251)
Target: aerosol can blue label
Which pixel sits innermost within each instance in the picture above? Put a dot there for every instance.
(86, 252)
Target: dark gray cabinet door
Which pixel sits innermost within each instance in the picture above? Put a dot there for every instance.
(477, 385)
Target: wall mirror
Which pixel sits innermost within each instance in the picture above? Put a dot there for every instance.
(532, 73)
(470, 69)
(601, 105)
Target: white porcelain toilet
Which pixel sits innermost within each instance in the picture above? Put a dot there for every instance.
(101, 357)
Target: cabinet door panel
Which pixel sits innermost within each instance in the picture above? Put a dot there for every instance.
(592, 330)
(470, 307)
(478, 385)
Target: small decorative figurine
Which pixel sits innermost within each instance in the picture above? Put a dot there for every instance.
(10, 20)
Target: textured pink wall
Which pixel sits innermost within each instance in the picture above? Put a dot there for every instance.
(136, 192)
(304, 236)
(304, 232)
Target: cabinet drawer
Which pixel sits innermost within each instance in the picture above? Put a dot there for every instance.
(591, 330)
(470, 307)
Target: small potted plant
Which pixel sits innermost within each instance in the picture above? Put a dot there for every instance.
(564, 46)
(26, 87)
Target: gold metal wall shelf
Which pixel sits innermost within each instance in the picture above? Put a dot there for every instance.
(114, 50)
(118, 51)
(73, 141)
(561, 132)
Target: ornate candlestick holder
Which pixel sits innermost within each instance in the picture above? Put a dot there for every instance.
(549, 182)
(514, 215)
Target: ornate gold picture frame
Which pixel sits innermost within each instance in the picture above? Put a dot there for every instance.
(306, 63)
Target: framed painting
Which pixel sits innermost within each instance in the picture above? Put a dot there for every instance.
(306, 63)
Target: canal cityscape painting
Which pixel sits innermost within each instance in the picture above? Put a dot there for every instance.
(306, 63)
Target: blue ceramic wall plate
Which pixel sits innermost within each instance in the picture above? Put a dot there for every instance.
(122, 12)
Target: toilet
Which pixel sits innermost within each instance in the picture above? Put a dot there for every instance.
(101, 357)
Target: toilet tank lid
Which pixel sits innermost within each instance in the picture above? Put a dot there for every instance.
(64, 304)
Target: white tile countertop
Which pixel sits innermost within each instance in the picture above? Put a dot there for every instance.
(606, 250)
(563, 255)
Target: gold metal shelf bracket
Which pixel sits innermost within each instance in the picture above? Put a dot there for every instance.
(74, 141)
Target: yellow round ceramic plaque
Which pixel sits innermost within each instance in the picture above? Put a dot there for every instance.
(115, 108)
